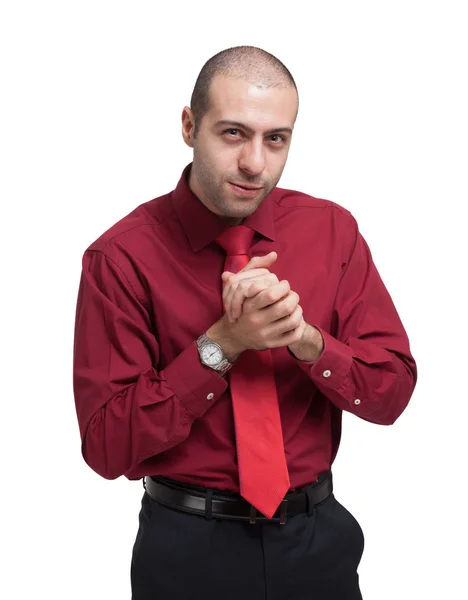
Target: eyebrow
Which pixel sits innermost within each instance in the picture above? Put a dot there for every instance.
(249, 129)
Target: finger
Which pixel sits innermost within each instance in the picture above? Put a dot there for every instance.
(283, 326)
(291, 337)
(231, 279)
(284, 307)
(257, 263)
(228, 292)
(246, 289)
(232, 283)
(226, 274)
(244, 274)
(261, 261)
(235, 293)
(269, 296)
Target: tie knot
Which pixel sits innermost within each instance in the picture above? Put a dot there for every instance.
(236, 240)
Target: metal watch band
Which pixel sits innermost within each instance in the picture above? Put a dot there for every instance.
(223, 366)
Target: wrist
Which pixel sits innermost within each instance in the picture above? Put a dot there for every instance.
(221, 334)
(310, 347)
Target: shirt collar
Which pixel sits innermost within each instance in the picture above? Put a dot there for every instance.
(202, 226)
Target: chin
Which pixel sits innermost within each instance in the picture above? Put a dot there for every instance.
(241, 212)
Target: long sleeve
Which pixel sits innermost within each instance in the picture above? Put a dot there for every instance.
(127, 410)
(367, 367)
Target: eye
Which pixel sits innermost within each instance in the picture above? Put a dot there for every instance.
(232, 132)
(277, 139)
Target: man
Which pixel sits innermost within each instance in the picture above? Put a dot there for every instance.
(221, 330)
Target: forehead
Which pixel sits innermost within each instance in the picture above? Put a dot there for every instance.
(236, 99)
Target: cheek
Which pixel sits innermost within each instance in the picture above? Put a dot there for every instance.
(277, 163)
(222, 156)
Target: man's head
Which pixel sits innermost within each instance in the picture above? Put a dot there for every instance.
(243, 109)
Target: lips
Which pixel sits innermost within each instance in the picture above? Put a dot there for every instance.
(246, 187)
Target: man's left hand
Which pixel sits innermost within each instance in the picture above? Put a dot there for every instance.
(252, 280)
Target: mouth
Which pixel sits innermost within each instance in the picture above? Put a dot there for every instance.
(246, 191)
(245, 187)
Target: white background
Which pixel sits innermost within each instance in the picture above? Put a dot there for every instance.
(92, 94)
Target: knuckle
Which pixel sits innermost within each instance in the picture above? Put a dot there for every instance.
(296, 311)
(293, 297)
(258, 287)
(286, 308)
(253, 288)
(296, 320)
(254, 321)
(300, 313)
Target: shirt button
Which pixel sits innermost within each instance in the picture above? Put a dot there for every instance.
(210, 396)
(357, 401)
(326, 373)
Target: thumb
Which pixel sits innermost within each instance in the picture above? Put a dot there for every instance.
(261, 262)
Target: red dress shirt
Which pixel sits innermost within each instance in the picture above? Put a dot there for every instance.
(151, 285)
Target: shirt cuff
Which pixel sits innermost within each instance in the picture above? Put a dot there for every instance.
(196, 385)
(331, 369)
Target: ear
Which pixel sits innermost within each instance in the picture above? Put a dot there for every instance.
(188, 126)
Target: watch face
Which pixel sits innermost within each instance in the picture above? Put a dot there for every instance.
(211, 354)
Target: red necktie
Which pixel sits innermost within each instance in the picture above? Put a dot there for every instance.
(263, 471)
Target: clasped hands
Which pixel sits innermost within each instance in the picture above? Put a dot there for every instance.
(264, 312)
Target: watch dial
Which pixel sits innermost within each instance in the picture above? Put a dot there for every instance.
(211, 354)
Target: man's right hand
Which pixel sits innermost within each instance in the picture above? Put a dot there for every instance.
(270, 319)
(248, 282)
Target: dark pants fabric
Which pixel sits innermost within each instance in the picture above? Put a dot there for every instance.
(182, 556)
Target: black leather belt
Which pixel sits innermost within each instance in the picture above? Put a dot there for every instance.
(213, 503)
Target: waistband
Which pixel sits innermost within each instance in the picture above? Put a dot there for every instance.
(229, 505)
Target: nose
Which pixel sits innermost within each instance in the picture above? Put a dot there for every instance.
(252, 158)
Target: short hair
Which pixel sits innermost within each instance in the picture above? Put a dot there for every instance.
(247, 62)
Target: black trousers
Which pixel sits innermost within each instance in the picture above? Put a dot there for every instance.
(182, 556)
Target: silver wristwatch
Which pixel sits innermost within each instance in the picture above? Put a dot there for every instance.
(212, 355)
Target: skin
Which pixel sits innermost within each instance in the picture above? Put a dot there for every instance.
(252, 155)
(244, 139)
